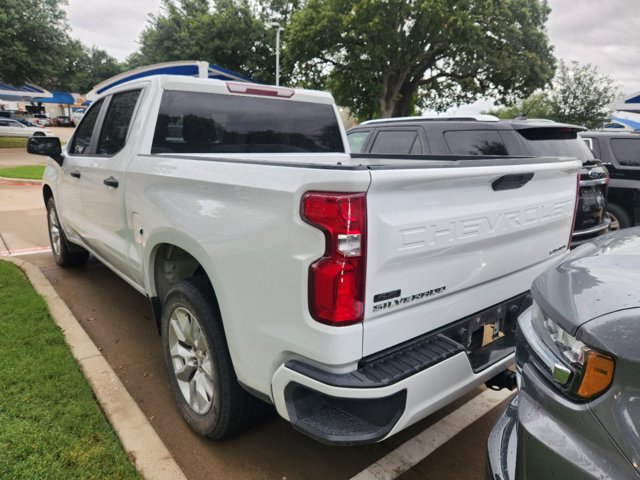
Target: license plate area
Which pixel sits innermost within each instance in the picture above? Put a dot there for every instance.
(489, 335)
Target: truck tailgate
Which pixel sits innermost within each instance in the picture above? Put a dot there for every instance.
(446, 241)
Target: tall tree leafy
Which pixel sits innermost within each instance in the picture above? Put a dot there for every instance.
(228, 33)
(36, 48)
(387, 58)
(581, 95)
(32, 36)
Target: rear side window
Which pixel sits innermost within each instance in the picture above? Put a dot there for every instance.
(556, 142)
(627, 151)
(356, 140)
(116, 123)
(195, 122)
(82, 137)
(397, 142)
(475, 142)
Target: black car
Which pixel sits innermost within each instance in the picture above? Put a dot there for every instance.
(577, 413)
(620, 153)
(486, 135)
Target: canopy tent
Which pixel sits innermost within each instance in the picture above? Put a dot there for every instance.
(620, 123)
(191, 68)
(61, 98)
(629, 104)
(25, 93)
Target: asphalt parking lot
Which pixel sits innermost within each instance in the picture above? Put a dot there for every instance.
(118, 319)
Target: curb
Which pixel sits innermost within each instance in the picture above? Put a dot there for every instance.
(144, 447)
(18, 182)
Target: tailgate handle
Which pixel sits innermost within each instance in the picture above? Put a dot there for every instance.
(511, 182)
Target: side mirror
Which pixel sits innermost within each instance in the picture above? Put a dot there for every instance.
(47, 146)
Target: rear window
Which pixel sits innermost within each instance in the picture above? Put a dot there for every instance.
(475, 142)
(556, 142)
(627, 151)
(195, 122)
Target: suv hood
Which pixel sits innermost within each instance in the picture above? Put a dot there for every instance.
(600, 277)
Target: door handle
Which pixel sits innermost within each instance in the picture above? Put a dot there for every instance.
(111, 182)
(75, 174)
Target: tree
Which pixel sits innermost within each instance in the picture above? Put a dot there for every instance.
(389, 58)
(537, 105)
(36, 48)
(581, 95)
(228, 33)
(33, 36)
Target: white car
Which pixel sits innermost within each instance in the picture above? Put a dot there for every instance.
(10, 127)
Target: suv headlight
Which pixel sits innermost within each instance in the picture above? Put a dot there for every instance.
(582, 372)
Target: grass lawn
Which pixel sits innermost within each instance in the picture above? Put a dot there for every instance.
(31, 172)
(50, 423)
(13, 142)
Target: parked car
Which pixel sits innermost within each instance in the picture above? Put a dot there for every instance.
(577, 414)
(487, 135)
(64, 121)
(620, 153)
(26, 123)
(238, 211)
(10, 127)
(41, 119)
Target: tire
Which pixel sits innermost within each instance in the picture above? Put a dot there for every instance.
(38, 134)
(619, 217)
(59, 244)
(197, 360)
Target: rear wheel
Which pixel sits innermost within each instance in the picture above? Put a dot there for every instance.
(619, 217)
(38, 134)
(63, 255)
(201, 375)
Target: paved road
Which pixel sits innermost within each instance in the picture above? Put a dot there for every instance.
(119, 321)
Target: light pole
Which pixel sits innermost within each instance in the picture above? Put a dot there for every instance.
(279, 29)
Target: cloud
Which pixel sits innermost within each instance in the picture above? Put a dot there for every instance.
(113, 25)
(605, 34)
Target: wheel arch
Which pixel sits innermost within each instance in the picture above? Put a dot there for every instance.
(172, 257)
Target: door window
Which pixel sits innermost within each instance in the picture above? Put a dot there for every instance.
(627, 151)
(82, 138)
(397, 142)
(116, 123)
(356, 140)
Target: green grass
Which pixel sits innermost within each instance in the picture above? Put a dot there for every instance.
(50, 424)
(13, 142)
(31, 172)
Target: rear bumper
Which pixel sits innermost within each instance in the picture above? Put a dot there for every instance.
(333, 410)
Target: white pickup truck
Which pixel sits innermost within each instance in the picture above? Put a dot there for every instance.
(356, 293)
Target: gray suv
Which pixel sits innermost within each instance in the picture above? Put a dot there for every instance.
(577, 413)
(487, 135)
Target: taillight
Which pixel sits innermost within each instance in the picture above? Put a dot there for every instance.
(336, 280)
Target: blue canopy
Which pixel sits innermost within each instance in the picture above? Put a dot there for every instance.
(20, 94)
(61, 98)
(634, 124)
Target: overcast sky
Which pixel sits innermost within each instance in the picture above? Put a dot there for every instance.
(605, 34)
